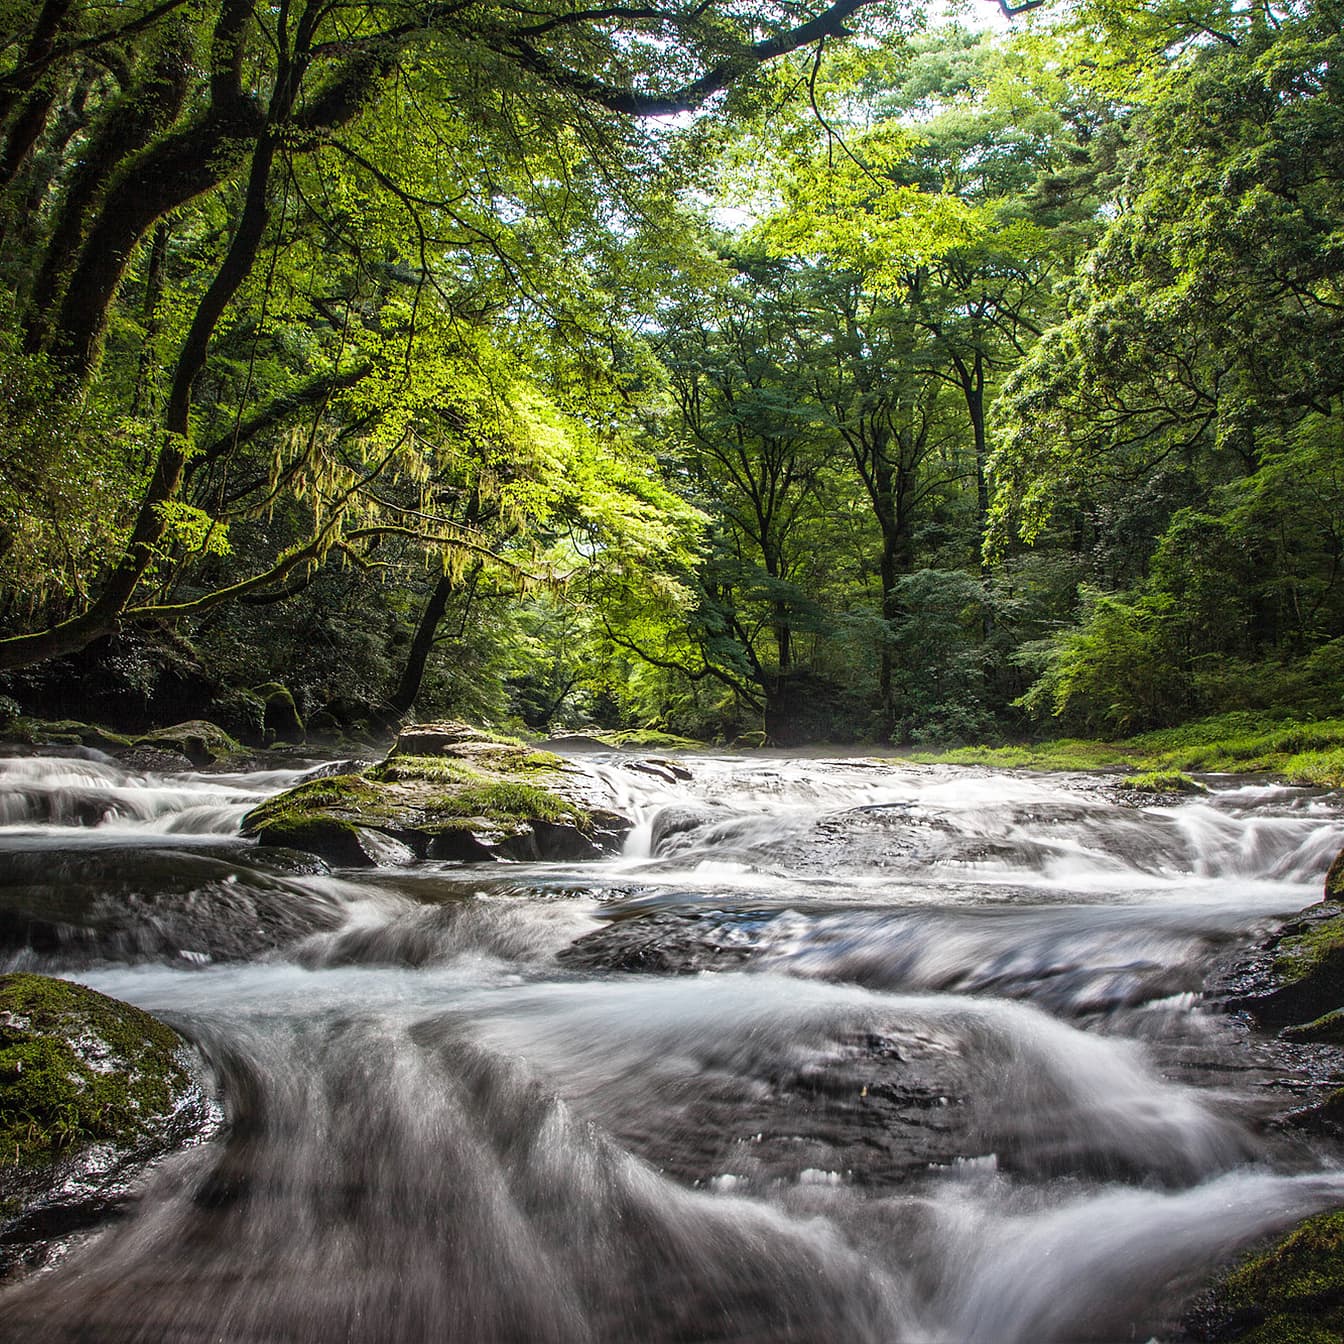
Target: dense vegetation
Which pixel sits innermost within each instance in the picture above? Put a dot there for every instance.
(710, 367)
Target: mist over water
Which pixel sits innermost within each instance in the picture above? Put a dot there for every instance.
(835, 1050)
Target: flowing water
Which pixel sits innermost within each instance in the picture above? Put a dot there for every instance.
(836, 1050)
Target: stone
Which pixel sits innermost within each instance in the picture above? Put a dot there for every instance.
(446, 791)
(200, 741)
(91, 1091)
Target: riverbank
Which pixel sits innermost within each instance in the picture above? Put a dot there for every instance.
(1298, 752)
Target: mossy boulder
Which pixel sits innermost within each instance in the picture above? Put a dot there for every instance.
(447, 791)
(91, 1089)
(281, 720)
(199, 740)
(62, 733)
(1292, 1293)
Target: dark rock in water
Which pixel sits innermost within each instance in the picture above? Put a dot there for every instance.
(668, 942)
(447, 791)
(77, 907)
(575, 742)
(91, 1090)
(679, 820)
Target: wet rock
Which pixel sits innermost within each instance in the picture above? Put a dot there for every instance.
(668, 943)
(447, 791)
(575, 742)
(1302, 977)
(77, 908)
(91, 1090)
(1334, 879)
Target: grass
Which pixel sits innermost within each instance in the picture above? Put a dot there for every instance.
(1239, 743)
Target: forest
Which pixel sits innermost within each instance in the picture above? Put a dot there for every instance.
(758, 371)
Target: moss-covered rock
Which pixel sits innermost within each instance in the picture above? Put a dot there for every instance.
(90, 1090)
(61, 733)
(446, 791)
(1334, 879)
(1302, 978)
(1327, 1029)
(1292, 1293)
(199, 740)
(281, 720)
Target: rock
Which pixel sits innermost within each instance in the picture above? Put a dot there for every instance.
(242, 714)
(78, 907)
(199, 740)
(1292, 1293)
(1334, 880)
(281, 720)
(575, 742)
(447, 791)
(91, 1090)
(1328, 1029)
(1304, 975)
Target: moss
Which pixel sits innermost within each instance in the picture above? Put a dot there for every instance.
(1291, 1294)
(347, 792)
(1314, 952)
(1159, 781)
(415, 769)
(1328, 1028)
(77, 1067)
(524, 802)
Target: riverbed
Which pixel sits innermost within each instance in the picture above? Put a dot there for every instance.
(836, 1049)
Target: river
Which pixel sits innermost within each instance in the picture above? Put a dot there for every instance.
(836, 1050)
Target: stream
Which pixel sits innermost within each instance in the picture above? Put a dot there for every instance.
(836, 1050)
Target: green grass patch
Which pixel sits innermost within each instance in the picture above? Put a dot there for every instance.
(1242, 743)
(516, 802)
(1162, 781)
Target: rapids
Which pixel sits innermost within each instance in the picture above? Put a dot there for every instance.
(835, 1050)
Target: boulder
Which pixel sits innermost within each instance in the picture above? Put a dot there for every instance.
(446, 791)
(281, 720)
(89, 904)
(91, 1090)
(199, 740)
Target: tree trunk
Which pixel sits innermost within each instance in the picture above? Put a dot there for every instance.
(401, 700)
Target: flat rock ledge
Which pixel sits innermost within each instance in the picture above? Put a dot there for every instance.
(445, 791)
(91, 1091)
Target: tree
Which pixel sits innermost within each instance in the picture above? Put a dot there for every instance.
(293, 110)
